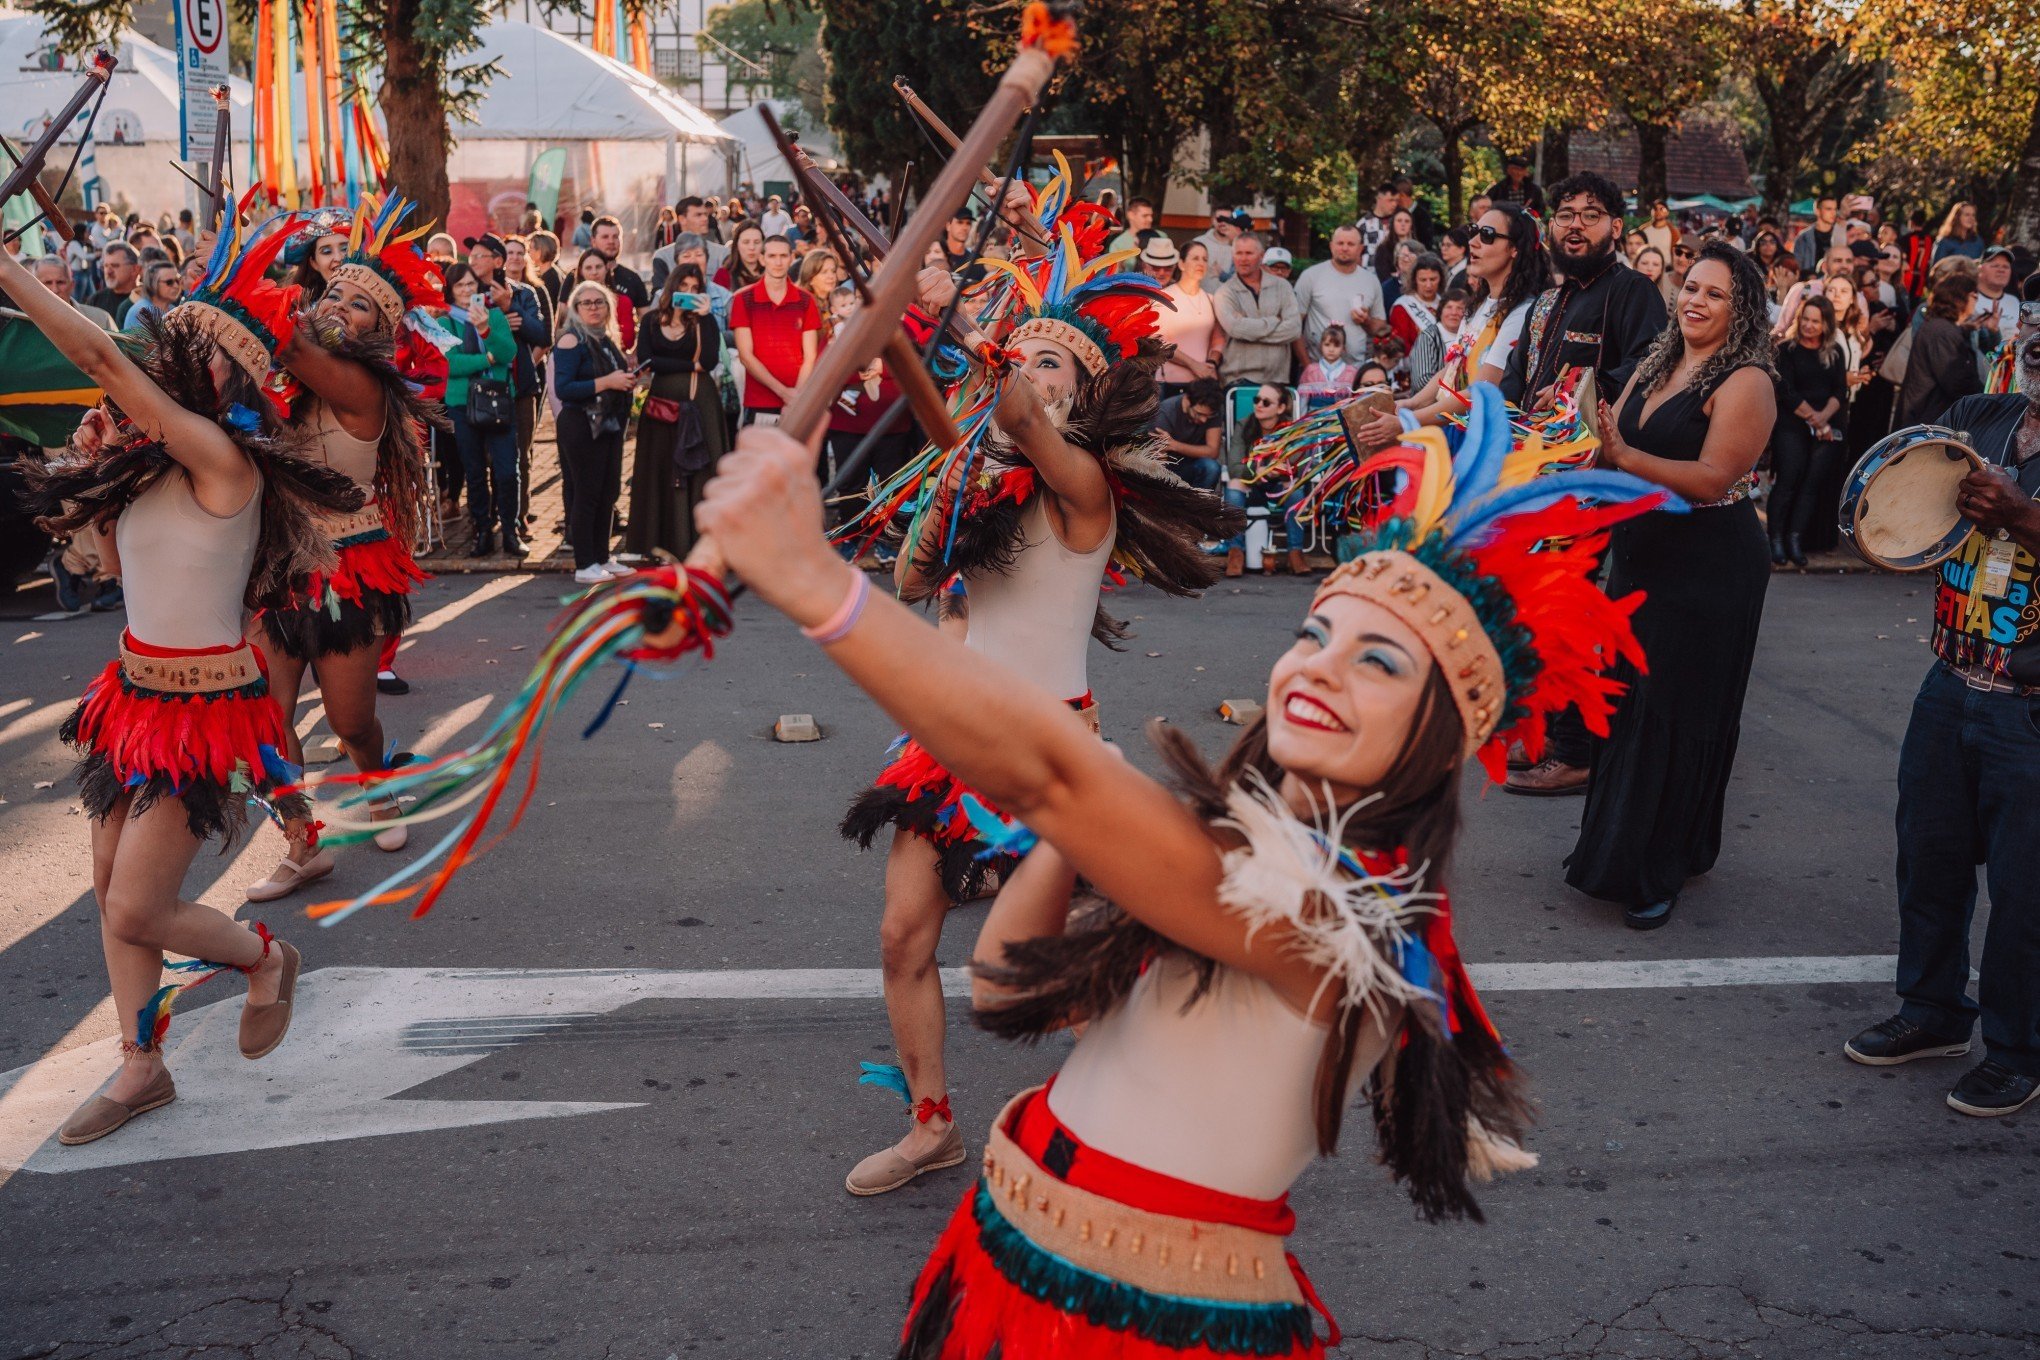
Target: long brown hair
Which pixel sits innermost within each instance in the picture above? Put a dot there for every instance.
(1447, 1078)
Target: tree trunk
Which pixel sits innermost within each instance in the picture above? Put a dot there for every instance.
(1650, 163)
(1557, 153)
(2022, 226)
(1786, 136)
(1452, 154)
(414, 108)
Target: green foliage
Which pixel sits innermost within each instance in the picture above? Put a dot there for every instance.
(786, 39)
(930, 42)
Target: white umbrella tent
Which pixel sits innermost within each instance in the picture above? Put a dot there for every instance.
(136, 136)
(628, 143)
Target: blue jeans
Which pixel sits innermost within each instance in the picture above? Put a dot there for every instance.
(489, 458)
(1292, 528)
(1969, 794)
(1203, 473)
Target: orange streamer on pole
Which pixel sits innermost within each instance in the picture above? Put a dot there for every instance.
(604, 38)
(640, 44)
(315, 107)
(329, 46)
(263, 130)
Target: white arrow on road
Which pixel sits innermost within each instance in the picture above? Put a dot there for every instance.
(355, 1043)
(346, 1058)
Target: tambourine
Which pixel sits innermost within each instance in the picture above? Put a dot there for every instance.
(1899, 505)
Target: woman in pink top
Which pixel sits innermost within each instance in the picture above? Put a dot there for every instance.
(1193, 326)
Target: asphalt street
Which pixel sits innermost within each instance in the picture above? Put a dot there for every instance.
(601, 1101)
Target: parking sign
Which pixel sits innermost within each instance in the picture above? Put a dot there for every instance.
(201, 65)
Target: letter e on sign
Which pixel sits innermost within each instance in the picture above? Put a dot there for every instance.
(205, 22)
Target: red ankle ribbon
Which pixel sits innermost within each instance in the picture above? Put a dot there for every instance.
(263, 931)
(930, 1107)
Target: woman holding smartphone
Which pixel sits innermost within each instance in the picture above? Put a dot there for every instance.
(595, 381)
(487, 453)
(680, 431)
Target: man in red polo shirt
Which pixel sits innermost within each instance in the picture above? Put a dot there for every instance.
(778, 332)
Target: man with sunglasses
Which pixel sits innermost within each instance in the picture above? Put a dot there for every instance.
(1601, 316)
(1969, 777)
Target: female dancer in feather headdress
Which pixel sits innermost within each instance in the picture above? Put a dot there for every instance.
(360, 417)
(1057, 479)
(1264, 947)
(183, 462)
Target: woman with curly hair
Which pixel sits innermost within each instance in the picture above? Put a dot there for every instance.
(1693, 418)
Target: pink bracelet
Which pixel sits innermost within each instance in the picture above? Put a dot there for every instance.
(839, 624)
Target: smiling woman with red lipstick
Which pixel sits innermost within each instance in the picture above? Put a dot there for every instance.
(1267, 944)
(1694, 418)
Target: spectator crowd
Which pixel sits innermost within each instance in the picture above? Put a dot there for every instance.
(1880, 321)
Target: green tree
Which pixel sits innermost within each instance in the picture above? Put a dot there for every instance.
(1673, 53)
(1968, 73)
(930, 42)
(786, 39)
(1813, 84)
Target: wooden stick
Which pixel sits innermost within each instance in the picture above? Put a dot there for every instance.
(26, 177)
(986, 179)
(830, 204)
(875, 240)
(894, 284)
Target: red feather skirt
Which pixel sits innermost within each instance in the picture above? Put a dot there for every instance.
(915, 793)
(1062, 1252)
(142, 743)
(366, 597)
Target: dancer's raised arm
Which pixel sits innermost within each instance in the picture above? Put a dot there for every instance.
(221, 475)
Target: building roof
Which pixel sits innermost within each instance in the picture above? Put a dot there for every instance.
(1704, 156)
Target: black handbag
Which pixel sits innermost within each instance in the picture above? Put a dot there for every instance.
(491, 404)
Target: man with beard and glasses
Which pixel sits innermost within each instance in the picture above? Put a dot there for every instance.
(1969, 778)
(1602, 317)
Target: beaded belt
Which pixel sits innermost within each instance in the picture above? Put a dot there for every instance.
(354, 523)
(208, 673)
(1155, 1252)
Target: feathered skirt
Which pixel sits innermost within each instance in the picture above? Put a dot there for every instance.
(365, 598)
(198, 725)
(1062, 1252)
(915, 793)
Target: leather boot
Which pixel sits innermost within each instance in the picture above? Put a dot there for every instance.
(1795, 553)
(1235, 561)
(485, 544)
(1777, 550)
(1297, 566)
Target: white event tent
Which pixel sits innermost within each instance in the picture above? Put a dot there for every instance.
(136, 136)
(630, 143)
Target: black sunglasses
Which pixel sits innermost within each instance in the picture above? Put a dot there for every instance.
(1487, 236)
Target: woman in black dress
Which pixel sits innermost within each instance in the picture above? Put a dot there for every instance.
(1694, 418)
(1813, 388)
(680, 431)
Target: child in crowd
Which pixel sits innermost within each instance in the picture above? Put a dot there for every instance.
(1333, 371)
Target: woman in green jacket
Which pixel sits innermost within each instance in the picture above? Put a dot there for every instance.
(484, 429)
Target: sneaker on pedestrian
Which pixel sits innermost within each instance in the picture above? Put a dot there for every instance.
(617, 569)
(1898, 1040)
(1990, 1088)
(70, 586)
(109, 598)
(593, 576)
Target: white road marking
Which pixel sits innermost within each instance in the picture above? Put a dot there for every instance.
(360, 1037)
